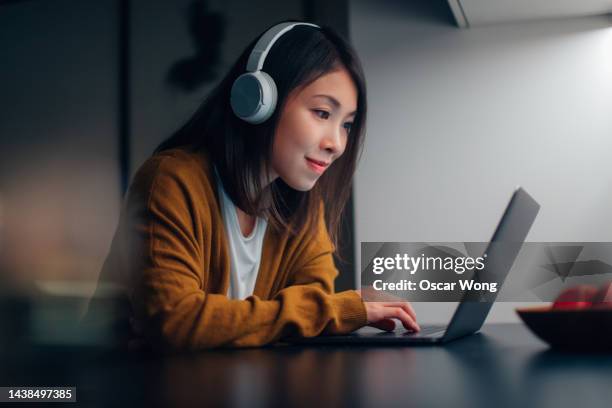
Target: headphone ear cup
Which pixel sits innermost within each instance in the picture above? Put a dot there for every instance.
(253, 97)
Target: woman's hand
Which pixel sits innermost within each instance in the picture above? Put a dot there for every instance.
(380, 315)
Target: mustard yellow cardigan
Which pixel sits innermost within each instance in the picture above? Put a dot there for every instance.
(170, 255)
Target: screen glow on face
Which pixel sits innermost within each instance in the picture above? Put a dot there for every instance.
(313, 129)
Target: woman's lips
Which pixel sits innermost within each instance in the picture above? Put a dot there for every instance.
(316, 165)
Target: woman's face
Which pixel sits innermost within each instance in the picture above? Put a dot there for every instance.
(313, 129)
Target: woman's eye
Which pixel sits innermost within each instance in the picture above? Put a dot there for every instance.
(348, 126)
(321, 113)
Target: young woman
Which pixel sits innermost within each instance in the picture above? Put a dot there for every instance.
(227, 232)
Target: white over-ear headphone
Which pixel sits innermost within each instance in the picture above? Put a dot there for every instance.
(253, 95)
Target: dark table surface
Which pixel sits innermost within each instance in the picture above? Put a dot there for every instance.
(503, 366)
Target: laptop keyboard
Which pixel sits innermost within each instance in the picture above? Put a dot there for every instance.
(431, 328)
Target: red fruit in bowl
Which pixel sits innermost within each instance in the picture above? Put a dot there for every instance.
(578, 297)
(603, 298)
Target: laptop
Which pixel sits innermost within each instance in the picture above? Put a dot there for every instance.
(469, 315)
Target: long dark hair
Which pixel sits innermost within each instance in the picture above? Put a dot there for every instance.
(241, 151)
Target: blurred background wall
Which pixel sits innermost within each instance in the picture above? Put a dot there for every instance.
(59, 178)
(459, 117)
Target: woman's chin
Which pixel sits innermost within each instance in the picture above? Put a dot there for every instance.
(303, 188)
(301, 185)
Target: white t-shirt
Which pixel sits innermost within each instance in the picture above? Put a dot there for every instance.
(245, 252)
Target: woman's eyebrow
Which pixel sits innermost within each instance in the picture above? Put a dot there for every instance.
(332, 101)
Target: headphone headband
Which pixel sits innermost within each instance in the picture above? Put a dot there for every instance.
(265, 43)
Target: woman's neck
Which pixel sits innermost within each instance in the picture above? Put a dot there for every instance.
(246, 222)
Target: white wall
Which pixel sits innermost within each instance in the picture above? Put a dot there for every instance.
(458, 118)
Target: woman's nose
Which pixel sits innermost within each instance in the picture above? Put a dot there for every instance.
(333, 142)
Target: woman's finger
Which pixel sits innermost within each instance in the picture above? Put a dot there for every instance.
(404, 317)
(406, 306)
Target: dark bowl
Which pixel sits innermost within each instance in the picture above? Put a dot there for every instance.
(582, 330)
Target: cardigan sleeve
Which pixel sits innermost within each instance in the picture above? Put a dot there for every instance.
(316, 273)
(177, 314)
